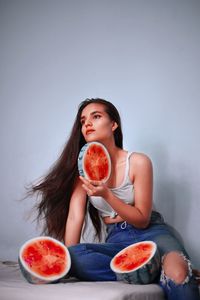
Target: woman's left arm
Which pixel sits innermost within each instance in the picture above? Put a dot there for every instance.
(142, 177)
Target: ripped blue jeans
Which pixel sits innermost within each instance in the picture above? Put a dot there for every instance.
(91, 261)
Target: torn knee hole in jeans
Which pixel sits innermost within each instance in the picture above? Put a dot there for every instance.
(165, 279)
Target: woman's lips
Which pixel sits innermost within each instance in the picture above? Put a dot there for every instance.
(89, 131)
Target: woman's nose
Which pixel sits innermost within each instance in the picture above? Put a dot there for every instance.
(88, 123)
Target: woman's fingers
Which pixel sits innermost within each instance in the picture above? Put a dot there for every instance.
(83, 179)
(90, 182)
(86, 182)
(95, 182)
(88, 191)
(88, 187)
(93, 187)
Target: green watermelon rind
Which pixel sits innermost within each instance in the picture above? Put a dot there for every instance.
(144, 274)
(33, 277)
(82, 153)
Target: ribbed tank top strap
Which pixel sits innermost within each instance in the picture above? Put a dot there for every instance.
(127, 166)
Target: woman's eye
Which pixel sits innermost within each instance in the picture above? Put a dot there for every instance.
(97, 116)
(82, 122)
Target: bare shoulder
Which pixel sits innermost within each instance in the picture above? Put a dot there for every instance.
(140, 159)
(139, 163)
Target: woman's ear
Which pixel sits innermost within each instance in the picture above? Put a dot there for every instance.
(114, 126)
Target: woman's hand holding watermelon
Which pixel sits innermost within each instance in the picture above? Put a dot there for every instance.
(95, 188)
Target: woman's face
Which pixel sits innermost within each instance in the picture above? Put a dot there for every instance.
(96, 124)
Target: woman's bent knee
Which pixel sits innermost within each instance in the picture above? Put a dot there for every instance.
(176, 267)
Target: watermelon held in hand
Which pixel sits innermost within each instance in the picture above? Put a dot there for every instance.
(44, 260)
(138, 263)
(94, 162)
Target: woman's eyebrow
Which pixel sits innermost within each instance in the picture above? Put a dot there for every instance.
(93, 113)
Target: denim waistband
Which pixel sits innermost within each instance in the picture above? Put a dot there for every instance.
(156, 218)
(118, 226)
(122, 224)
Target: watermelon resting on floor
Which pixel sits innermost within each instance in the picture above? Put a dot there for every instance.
(138, 263)
(94, 162)
(44, 260)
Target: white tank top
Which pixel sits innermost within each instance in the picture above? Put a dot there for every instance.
(124, 192)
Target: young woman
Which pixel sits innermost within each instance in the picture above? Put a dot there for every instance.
(123, 204)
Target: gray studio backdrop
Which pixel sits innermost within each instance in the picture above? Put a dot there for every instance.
(144, 56)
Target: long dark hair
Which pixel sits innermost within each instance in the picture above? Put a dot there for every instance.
(55, 189)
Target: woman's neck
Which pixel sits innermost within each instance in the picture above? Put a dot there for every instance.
(114, 151)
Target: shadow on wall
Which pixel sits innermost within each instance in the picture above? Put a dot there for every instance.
(171, 190)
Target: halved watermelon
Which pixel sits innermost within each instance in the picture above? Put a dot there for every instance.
(137, 263)
(44, 260)
(94, 162)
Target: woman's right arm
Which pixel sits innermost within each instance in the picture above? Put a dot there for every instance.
(76, 215)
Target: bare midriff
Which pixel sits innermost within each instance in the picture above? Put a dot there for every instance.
(109, 220)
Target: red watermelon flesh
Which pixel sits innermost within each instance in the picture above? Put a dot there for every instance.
(138, 263)
(133, 257)
(96, 162)
(45, 258)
